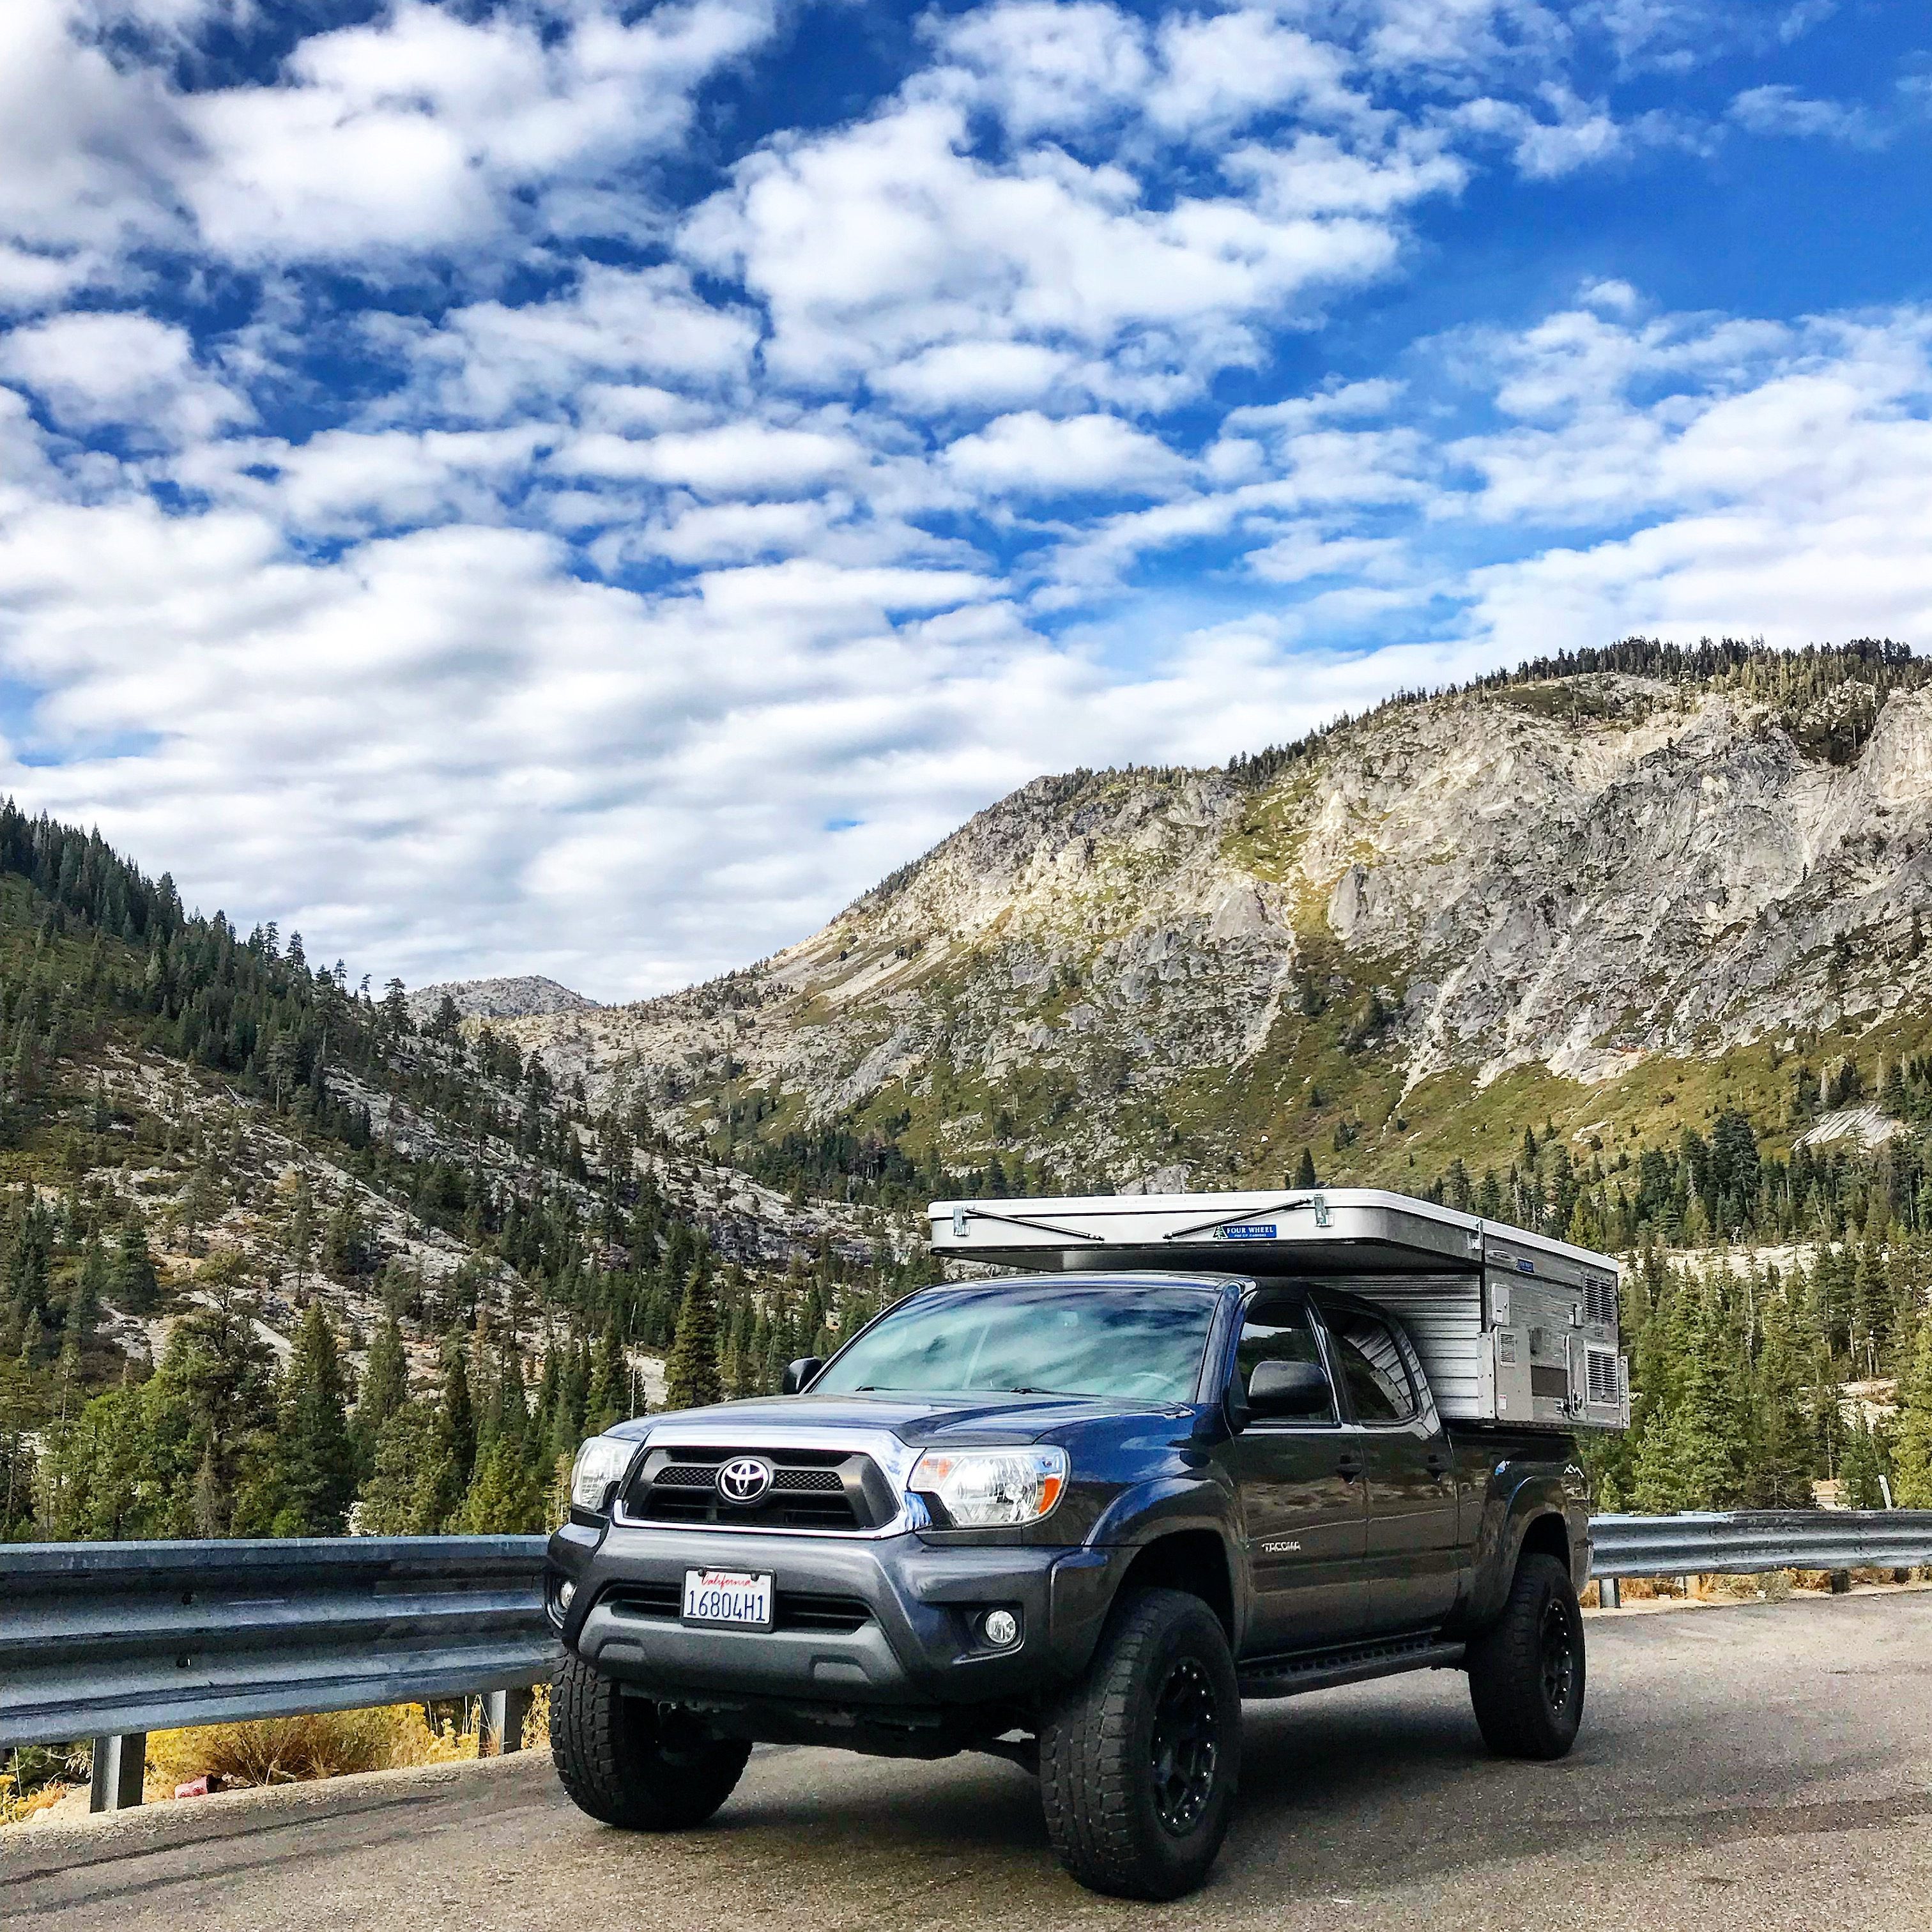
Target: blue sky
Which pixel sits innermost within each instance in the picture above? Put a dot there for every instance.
(572, 487)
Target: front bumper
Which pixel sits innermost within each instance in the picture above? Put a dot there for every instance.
(915, 1607)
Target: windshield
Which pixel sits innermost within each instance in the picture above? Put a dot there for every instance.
(1143, 1344)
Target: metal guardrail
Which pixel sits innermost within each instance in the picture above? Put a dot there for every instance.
(1744, 1543)
(114, 1638)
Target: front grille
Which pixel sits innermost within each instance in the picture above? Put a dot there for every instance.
(794, 1609)
(827, 1490)
(689, 1476)
(801, 1609)
(646, 1600)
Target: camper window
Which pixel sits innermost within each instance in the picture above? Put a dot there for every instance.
(1372, 1365)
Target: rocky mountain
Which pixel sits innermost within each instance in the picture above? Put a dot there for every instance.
(1613, 894)
(516, 996)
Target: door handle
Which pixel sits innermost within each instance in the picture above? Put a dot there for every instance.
(1348, 1466)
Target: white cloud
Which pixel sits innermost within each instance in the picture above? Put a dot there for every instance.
(491, 599)
(1220, 70)
(98, 371)
(628, 329)
(1050, 66)
(875, 245)
(420, 131)
(1029, 454)
(1782, 110)
(414, 130)
(84, 150)
(736, 459)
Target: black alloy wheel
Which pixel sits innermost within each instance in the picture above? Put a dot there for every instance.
(1526, 1670)
(630, 1762)
(1559, 1658)
(1139, 1761)
(1185, 1747)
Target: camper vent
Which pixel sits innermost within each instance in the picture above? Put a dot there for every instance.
(1600, 1301)
(1600, 1369)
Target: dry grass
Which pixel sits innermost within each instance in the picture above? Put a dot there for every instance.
(536, 1730)
(287, 1750)
(1773, 1586)
(37, 1777)
(16, 1806)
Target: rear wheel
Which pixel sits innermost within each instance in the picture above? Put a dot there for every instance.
(629, 1761)
(1139, 1764)
(1526, 1670)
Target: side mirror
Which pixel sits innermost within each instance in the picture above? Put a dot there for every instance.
(798, 1375)
(1290, 1392)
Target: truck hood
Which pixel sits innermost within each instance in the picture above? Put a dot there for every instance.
(917, 1420)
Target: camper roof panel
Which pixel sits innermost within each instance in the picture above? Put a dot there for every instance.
(1322, 1231)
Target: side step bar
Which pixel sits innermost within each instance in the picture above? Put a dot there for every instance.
(1351, 1663)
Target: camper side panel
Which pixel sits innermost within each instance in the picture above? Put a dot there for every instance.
(1444, 1316)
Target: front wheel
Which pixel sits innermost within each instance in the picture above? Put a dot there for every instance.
(1526, 1670)
(627, 1761)
(1138, 1763)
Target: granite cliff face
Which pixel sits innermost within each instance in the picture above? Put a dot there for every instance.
(516, 996)
(1555, 899)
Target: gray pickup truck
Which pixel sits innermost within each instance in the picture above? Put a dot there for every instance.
(1073, 1519)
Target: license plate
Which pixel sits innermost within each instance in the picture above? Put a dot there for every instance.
(738, 1599)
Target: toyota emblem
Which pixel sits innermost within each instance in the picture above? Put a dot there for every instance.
(744, 1479)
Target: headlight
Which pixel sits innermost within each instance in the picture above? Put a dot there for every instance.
(992, 1488)
(600, 1462)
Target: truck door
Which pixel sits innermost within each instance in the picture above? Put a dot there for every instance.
(1301, 1484)
(1414, 1553)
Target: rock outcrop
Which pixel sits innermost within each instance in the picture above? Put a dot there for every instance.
(1573, 877)
(519, 996)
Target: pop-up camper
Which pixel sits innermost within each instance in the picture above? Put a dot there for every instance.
(1511, 1326)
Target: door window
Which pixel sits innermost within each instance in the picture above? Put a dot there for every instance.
(1276, 1328)
(1379, 1387)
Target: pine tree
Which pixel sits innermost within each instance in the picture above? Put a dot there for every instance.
(507, 1497)
(691, 1375)
(1304, 1171)
(456, 1413)
(1782, 1443)
(214, 1397)
(299, 1242)
(608, 1400)
(1655, 1485)
(411, 1483)
(93, 1280)
(1912, 1451)
(386, 1387)
(1707, 1427)
(317, 1455)
(1864, 1465)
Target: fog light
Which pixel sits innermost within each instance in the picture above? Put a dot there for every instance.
(1002, 1629)
(565, 1591)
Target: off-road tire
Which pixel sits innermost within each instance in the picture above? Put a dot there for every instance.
(1526, 1669)
(626, 1765)
(1162, 1673)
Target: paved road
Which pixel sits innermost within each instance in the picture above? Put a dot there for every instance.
(1768, 1765)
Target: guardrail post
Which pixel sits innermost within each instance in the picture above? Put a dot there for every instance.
(1608, 1593)
(502, 1728)
(120, 1765)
